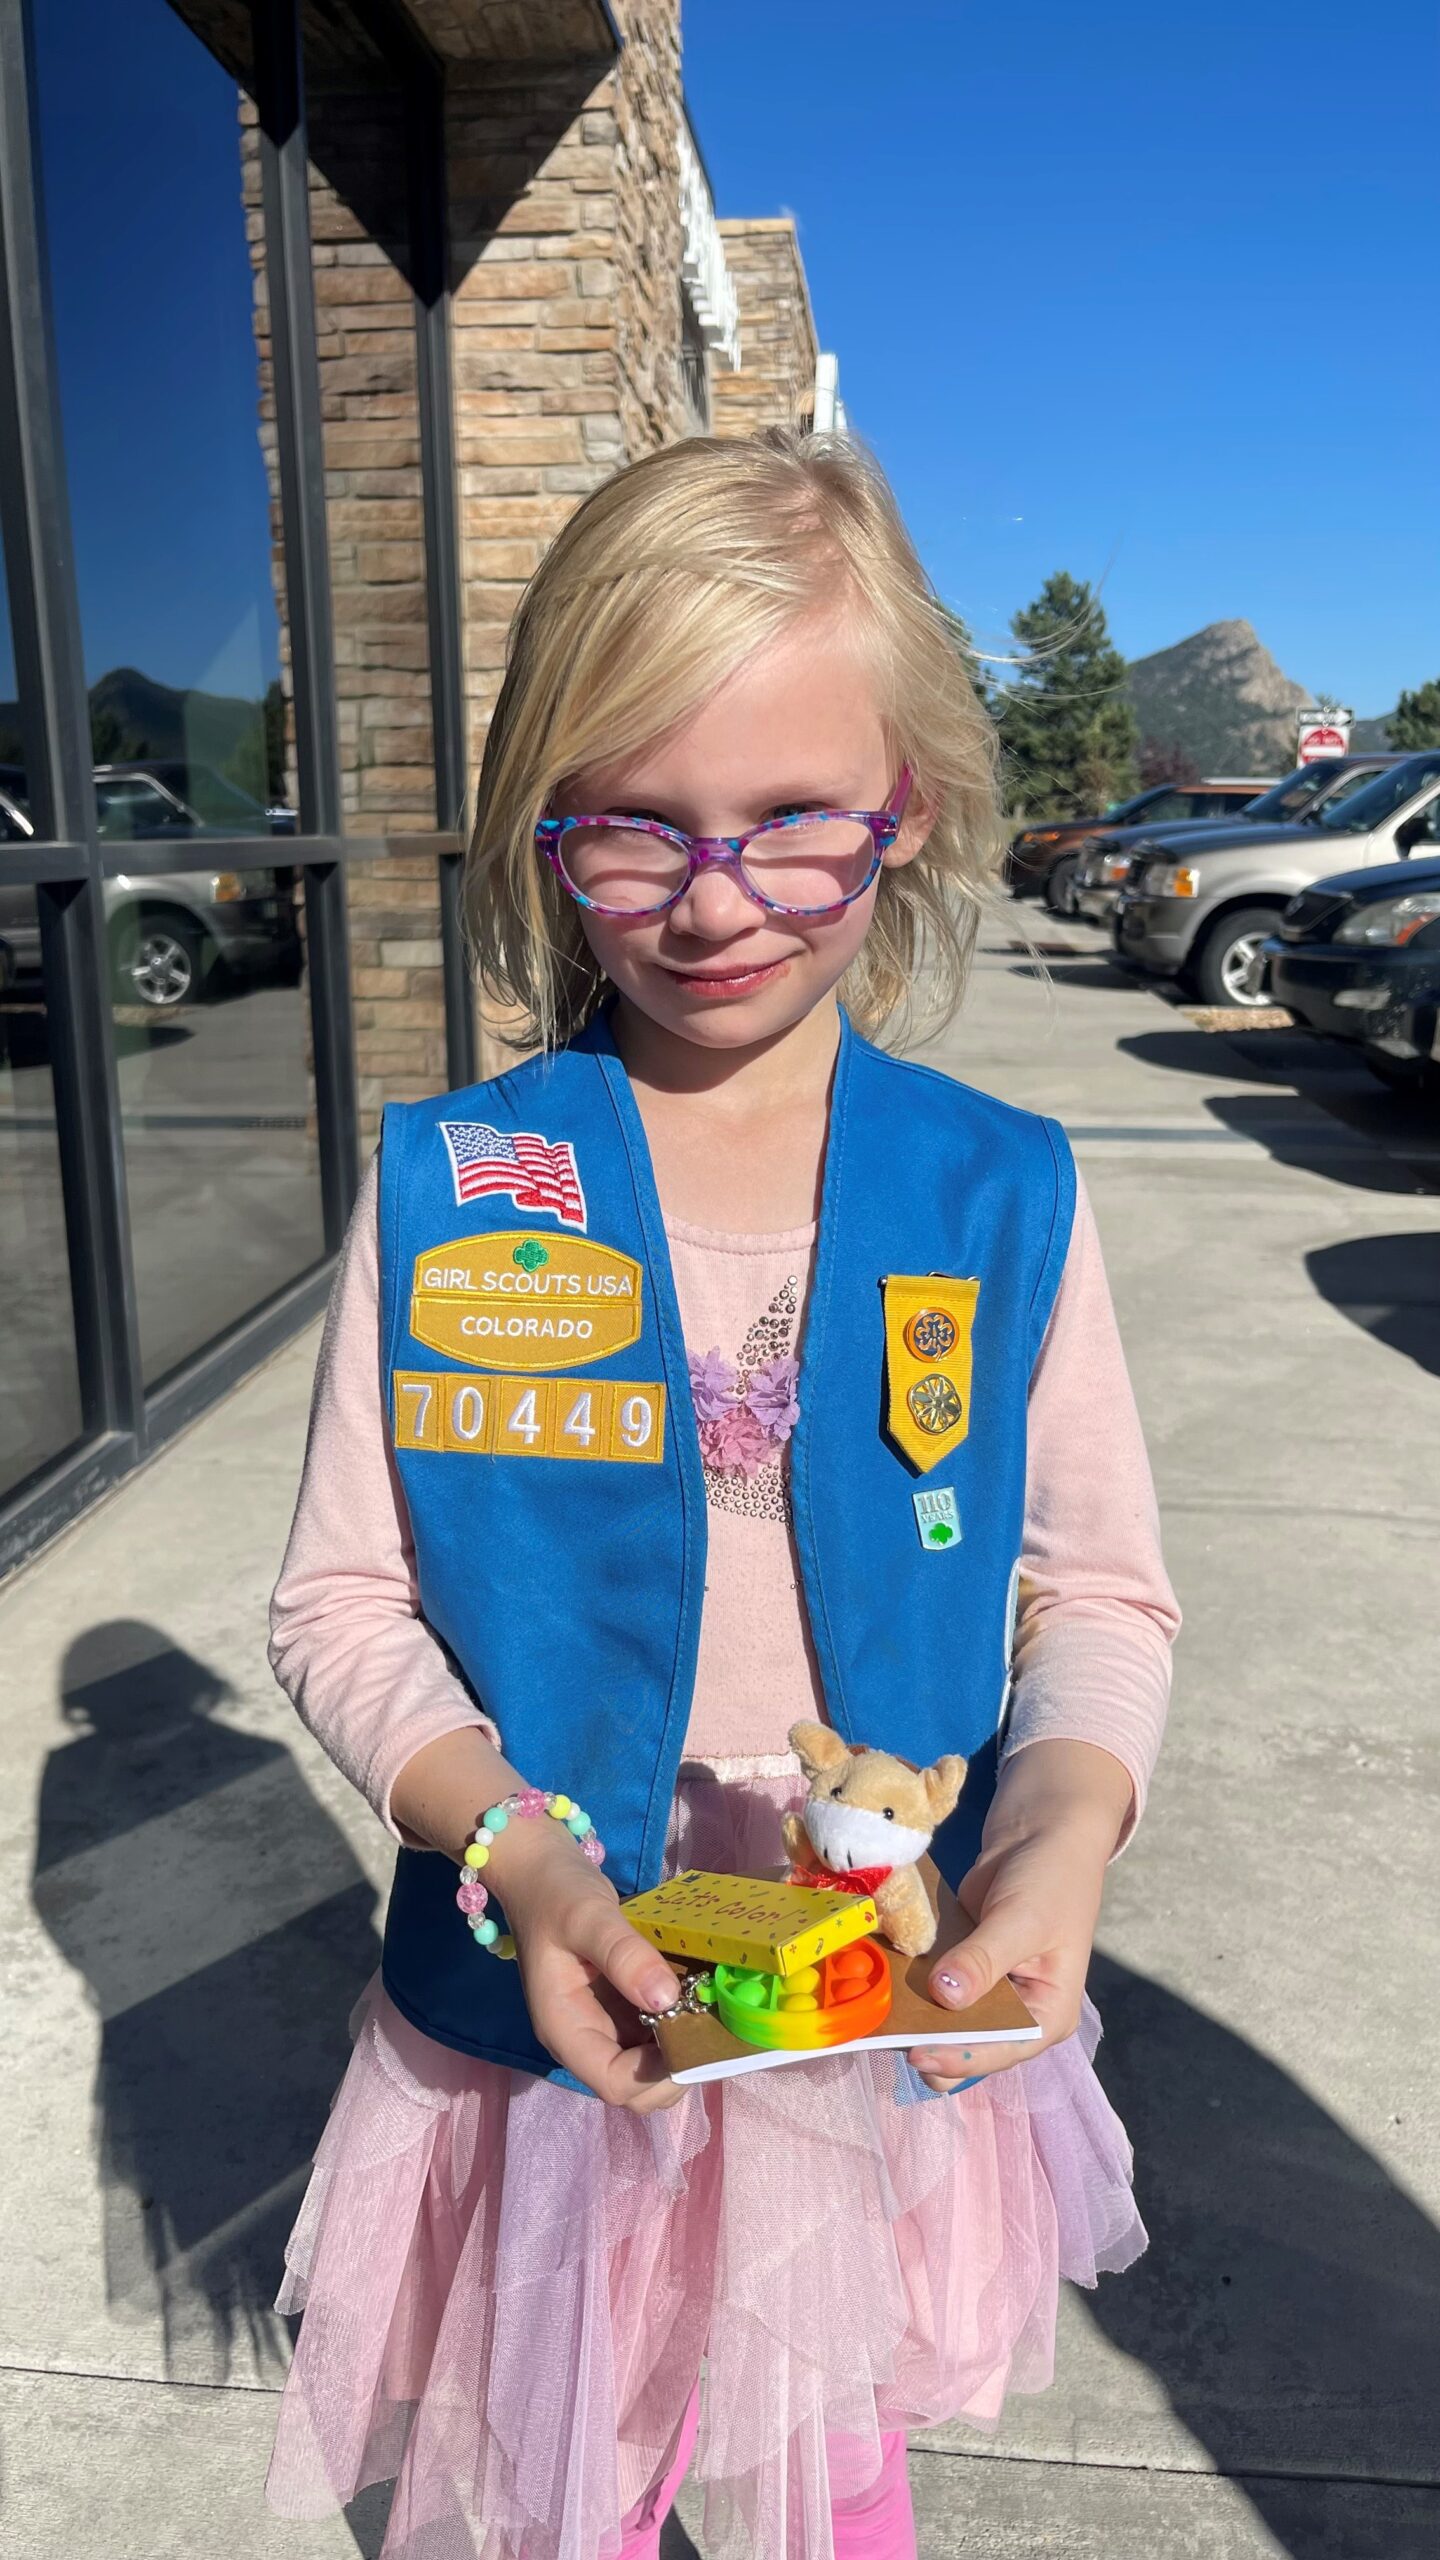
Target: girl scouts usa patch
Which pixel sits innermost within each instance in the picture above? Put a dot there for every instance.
(538, 1174)
(515, 1300)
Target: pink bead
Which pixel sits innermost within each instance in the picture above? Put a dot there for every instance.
(530, 1802)
(593, 1848)
(472, 1896)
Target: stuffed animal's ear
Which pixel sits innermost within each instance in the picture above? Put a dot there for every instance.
(817, 1747)
(942, 1785)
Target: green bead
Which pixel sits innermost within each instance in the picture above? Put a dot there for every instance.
(578, 1823)
(484, 1932)
(496, 1819)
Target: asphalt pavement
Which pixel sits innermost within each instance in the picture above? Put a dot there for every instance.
(191, 1892)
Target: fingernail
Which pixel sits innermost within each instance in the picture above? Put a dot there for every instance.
(661, 1991)
(952, 1988)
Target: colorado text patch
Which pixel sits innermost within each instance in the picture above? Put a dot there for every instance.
(521, 1301)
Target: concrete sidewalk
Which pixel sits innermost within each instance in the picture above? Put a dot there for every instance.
(191, 1894)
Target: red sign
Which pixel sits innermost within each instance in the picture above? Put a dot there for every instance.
(1323, 733)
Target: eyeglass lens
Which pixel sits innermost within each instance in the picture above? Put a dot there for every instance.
(816, 864)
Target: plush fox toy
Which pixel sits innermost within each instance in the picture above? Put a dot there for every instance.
(868, 1818)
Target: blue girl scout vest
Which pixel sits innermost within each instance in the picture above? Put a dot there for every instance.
(545, 1437)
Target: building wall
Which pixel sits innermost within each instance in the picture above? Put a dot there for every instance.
(565, 234)
(775, 382)
(565, 240)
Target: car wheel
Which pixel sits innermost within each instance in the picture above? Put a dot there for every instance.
(1060, 886)
(1230, 967)
(157, 961)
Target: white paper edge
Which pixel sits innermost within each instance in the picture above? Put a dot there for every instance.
(762, 2059)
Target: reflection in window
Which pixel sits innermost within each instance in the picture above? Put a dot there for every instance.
(141, 135)
(148, 144)
(216, 1099)
(14, 811)
(39, 1387)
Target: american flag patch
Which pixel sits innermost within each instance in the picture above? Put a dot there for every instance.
(528, 1169)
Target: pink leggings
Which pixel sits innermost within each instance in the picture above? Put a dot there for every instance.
(878, 2525)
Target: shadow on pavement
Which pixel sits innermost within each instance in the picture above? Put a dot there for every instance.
(224, 1931)
(1343, 1145)
(1287, 2302)
(1079, 973)
(1390, 1287)
(1207, 1053)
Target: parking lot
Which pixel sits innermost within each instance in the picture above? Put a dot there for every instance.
(1266, 2380)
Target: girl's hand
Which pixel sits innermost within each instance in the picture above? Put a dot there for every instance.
(586, 1971)
(1034, 1895)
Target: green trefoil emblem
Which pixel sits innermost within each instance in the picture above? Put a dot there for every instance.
(531, 1255)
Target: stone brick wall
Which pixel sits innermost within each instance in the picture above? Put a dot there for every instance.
(565, 242)
(564, 216)
(775, 383)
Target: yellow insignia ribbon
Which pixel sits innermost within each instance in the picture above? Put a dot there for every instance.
(928, 1325)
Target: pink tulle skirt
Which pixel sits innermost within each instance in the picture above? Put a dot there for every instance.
(509, 2289)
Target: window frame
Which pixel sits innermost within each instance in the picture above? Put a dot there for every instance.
(67, 862)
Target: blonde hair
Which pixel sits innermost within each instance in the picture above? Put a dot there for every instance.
(661, 585)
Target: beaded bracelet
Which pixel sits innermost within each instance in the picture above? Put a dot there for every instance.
(530, 1801)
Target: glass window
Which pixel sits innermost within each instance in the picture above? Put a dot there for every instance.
(1424, 831)
(134, 806)
(151, 175)
(1382, 795)
(12, 745)
(39, 1386)
(143, 148)
(1287, 801)
(216, 1099)
(1339, 787)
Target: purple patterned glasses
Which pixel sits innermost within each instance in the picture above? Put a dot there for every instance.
(812, 862)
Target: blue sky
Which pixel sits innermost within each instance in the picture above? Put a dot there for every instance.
(1141, 293)
(1146, 293)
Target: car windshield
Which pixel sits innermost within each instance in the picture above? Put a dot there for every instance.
(223, 804)
(1383, 794)
(1346, 785)
(1286, 800)
(1120, 812)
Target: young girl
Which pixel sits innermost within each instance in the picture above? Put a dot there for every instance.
(613, 1474)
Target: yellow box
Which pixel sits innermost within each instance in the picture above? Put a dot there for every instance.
(774, 1928)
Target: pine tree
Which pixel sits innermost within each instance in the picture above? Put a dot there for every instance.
(1066, 725)
(1415, 720)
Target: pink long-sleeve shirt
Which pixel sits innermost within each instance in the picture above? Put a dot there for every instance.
(1096, 1615)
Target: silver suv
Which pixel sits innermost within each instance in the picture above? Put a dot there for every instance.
(1203, 915)
(166, 929)
(1108, 861)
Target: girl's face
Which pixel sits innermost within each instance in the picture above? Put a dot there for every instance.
(796, 727)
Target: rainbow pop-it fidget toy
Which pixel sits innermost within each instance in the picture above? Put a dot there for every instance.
(845, 1995)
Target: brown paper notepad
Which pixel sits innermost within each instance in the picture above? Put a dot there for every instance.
(699, 2048)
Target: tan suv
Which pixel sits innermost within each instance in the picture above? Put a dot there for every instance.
(1204, 914)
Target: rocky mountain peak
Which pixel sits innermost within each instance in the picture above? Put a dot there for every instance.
(1222, 698)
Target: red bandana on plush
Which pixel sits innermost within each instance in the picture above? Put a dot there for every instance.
(853, 1880)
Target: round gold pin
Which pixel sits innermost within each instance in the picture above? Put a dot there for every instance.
(930, 1334)
(935, 1405)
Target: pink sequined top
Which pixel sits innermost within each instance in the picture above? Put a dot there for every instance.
(1097, 1615)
